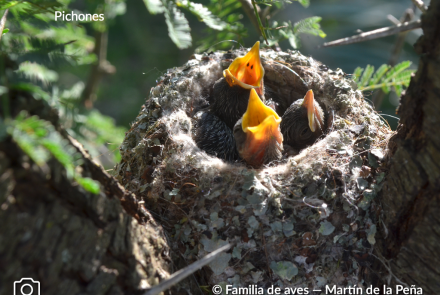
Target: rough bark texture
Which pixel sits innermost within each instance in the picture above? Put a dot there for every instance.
(72, 241)
(411, 195)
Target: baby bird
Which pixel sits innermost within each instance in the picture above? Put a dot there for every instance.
(303, 122)
(231, 93)
(257, 134)
(215, 137)
(213, 132)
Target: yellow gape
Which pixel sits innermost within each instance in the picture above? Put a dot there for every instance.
(246, 71)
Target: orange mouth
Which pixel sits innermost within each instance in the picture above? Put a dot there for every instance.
(246, 71)
(261, 125)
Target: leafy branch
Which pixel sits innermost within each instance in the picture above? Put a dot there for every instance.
(385, 78)
(39, 140)
(291, 32)
(178, 27)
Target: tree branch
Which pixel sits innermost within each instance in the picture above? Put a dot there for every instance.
(420, 5)
(99, 69)
(379, 33)
(249, 10)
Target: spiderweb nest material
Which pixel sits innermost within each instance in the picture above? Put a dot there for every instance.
(308, 220)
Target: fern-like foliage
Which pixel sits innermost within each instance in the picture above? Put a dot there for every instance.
(292, 32)
(34, 50)
(385, 78)
(230, 13)
(224, 23)
(40, 141)
(178, 27)
(203, 14)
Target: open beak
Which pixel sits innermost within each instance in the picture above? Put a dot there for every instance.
(246, 71)
(315, 120)
(261, 125)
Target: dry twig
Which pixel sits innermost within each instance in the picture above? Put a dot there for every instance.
(375, 34)
(183, 273)
(420, 5)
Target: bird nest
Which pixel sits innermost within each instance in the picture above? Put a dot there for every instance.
(308, 220)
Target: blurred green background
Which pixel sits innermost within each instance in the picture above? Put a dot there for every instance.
(58, 60)
(140, 49)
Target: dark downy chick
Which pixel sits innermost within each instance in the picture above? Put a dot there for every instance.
(303, 122)
(213, 132)
(257, 134)
(215, 137)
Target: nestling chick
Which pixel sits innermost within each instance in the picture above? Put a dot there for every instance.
(231, 93)
(230, 98)
(303, 122)
(257, 134)
(214, 137)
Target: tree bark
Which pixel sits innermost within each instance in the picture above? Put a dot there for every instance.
(72, 241)
(411, 195)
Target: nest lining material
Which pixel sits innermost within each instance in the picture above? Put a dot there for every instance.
(306, 221)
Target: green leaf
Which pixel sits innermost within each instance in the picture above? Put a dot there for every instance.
(294, 41)
(178, 27)
(384, 78)
(39, 139)
(88, 184)
(396, 70)
(36, 91)
(304, 3)
(368, 72)
(204, 14)
(357, 74)
(309, 26)
(34, 72)
(5, 31)
(398, 89)
(154, 6)
(379, 74)
(57, 148)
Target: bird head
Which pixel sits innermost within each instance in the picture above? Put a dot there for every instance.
(303, 122)
(258, 137)
(247, 71)
(314, 112)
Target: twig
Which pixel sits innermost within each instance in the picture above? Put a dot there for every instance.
(259, 21)
(98, 69)
(388, 267)
(3, 23)
(375, 34)
(183, 273)
(420, 5)
(249, 10)
(393, 19)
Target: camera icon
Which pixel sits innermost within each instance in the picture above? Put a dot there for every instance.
(26, 286)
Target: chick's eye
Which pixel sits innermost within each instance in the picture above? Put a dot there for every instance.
(304, 131)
